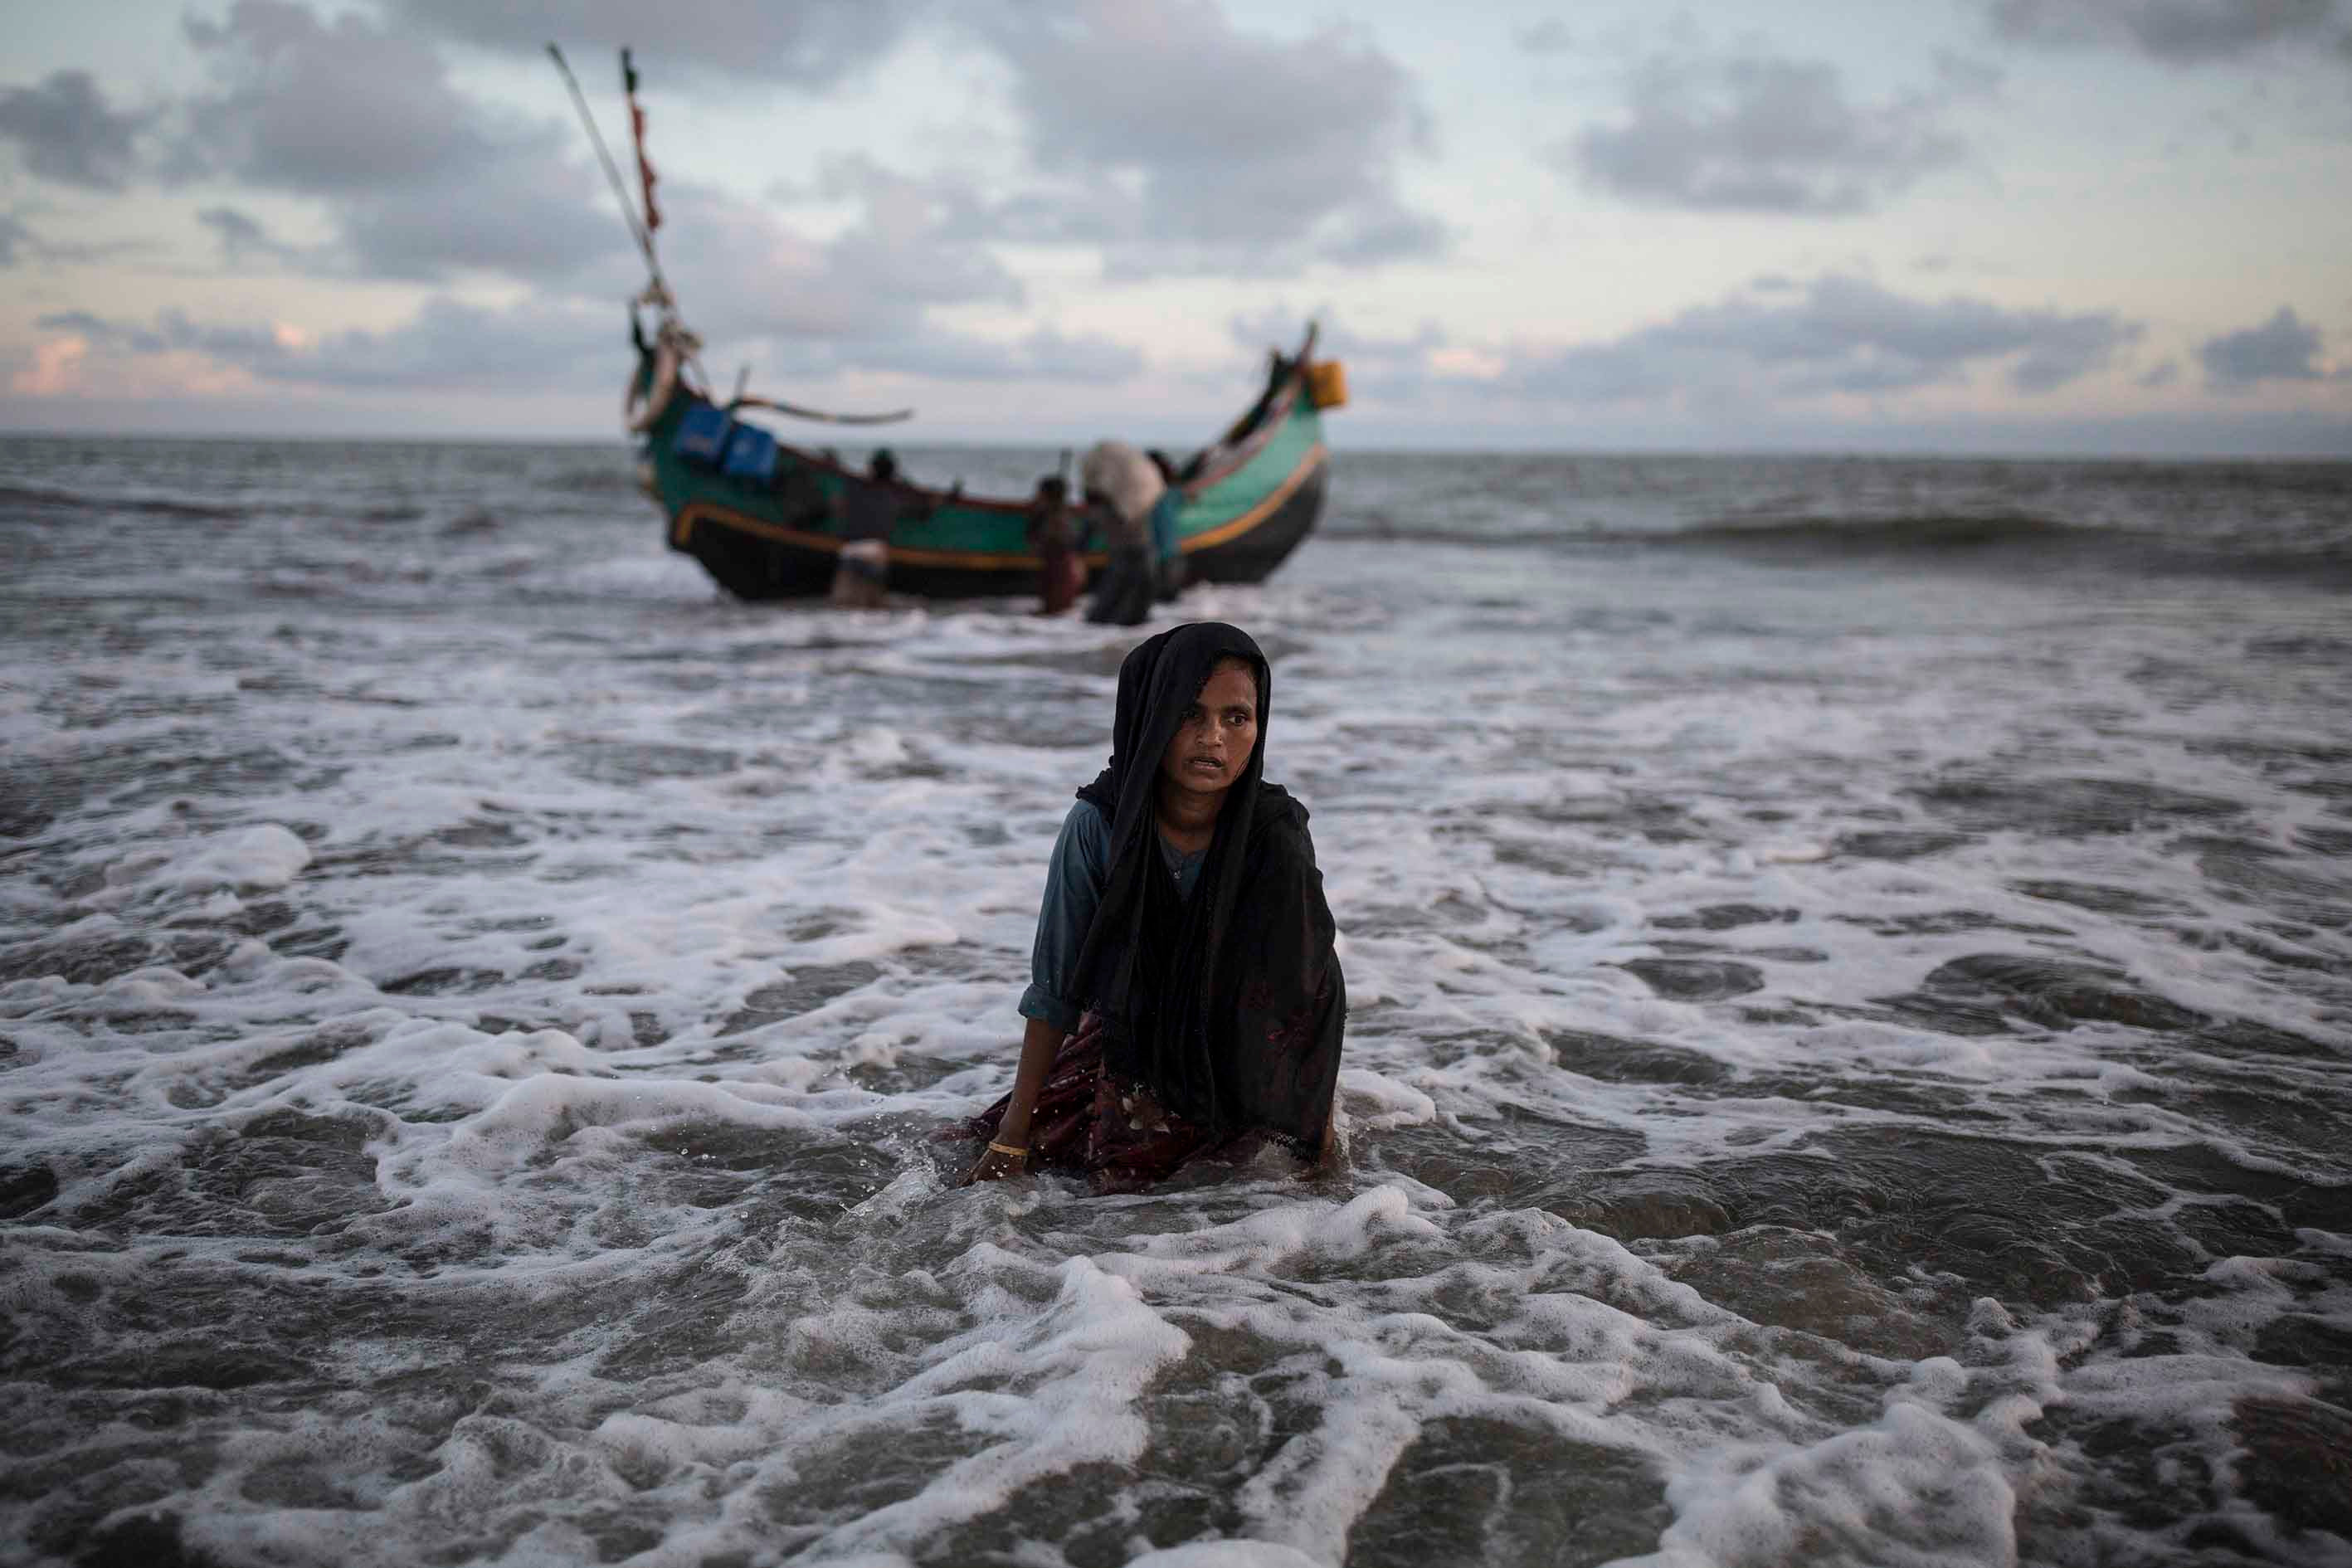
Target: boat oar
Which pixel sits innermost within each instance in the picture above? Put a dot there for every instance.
(819, 414)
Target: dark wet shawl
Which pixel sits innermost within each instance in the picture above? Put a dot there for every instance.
(1230, 1005)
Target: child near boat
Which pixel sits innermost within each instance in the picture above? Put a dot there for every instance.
(1053, 536)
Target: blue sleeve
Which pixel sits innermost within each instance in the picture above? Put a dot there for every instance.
(1073, 889)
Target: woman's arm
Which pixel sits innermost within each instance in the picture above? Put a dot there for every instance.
(1039, 1043)
(1073, 889)
(1328, 1158)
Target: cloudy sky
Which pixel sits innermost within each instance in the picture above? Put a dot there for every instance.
(2035, 226)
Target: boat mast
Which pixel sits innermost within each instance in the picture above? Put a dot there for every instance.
(637, 229)
(641, 229)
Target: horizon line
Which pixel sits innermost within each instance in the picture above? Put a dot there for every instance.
(1438, 447)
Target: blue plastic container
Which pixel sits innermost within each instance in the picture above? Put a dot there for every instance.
(751, 455)
(701, 433)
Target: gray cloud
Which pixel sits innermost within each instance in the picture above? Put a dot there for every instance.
(2177, 32)
(916, 238)
(452, 346)
(299, 104)
(1392, 369)
(859, 299)
(1778, 339)
(1045, 354)
(527, 218)
(421, 181)
(238, 231)
(90, 325)
(1168, 138)
(808, 43)
(913, 246)
(20, 243)
(244, 239)
(1549, 37)
(1183, 145)
(1384, 232)
(424, 183)
(64, 132)
(1161, 135)
(1758, 133)
(447, 345)
(1835, 335)
(251, 347)
(1077, 356)
(2283, 348)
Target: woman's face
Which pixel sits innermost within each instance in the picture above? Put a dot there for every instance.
(1218, 732)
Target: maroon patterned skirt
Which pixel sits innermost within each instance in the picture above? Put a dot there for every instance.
(1086, 1121)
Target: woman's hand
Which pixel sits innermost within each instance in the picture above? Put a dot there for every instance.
(1007, 1154)
(994, 1164)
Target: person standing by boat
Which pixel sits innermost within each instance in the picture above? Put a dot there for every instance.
(1122, 481)
(866, 512)
(1053, 536)
(1167, 561)
(1185, 995)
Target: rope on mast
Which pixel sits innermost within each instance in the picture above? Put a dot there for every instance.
(673, 331)
(612, 171)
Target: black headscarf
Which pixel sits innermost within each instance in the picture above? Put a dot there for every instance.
(1230, 1005)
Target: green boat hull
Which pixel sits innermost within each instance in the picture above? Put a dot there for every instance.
(779, 538)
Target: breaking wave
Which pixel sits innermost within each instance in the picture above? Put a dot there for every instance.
(46, 499)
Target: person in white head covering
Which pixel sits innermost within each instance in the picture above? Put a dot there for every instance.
(1122, 480)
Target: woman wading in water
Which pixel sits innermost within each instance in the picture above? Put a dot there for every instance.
(1185, 996)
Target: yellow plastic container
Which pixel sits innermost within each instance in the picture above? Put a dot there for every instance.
(1327, 383)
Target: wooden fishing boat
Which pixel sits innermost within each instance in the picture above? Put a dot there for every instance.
(764, 518)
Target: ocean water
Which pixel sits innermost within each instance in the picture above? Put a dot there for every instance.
(1850, 1057)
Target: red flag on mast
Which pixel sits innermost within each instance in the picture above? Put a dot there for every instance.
(637, 135)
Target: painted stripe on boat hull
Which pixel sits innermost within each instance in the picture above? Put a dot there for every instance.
(698, 512)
